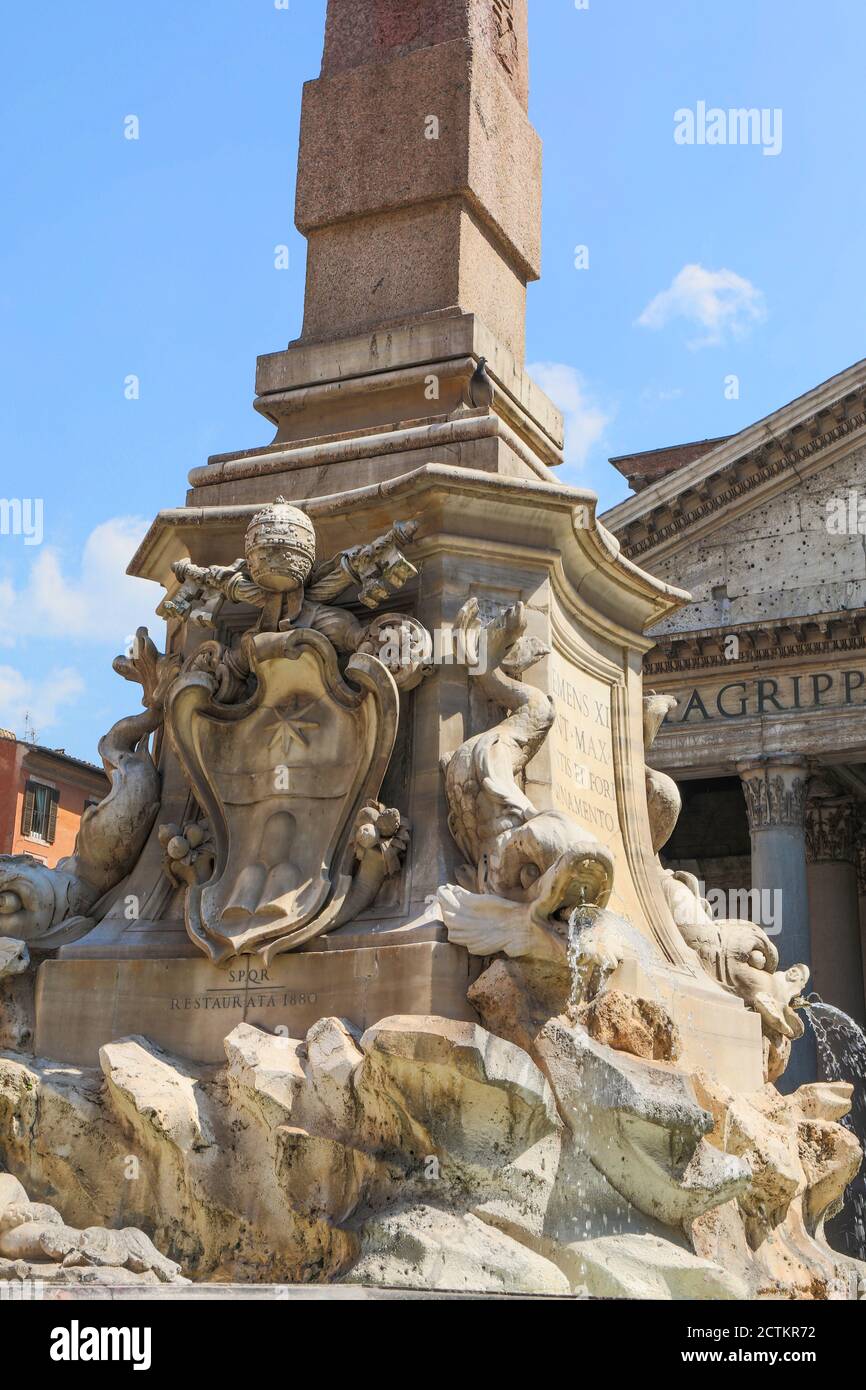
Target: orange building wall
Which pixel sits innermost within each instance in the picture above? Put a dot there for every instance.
(11, 756)
(70, 808)
(76, 787)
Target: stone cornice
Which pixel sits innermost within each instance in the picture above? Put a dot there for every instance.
(703, 650)
(457, 501)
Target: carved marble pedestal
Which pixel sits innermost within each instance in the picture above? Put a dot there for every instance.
(499, 541)
(188, 1007)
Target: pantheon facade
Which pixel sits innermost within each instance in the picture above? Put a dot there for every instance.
(767, 531)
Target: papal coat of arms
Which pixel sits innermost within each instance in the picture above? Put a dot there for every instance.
(283, 778)
(285, 748)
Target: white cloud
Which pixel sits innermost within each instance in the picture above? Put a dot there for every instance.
(99, 603)
(585, 421)
(721, 302)
(42, 700)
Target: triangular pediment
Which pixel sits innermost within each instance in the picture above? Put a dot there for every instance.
(734, 481)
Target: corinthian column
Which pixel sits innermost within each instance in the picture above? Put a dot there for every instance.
(775, 793)
(833, 900)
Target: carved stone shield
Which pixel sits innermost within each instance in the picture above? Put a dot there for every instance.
(281, 778)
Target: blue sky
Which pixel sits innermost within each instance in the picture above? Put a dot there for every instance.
(155, 258)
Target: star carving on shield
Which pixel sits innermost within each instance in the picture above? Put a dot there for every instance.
(289, 725)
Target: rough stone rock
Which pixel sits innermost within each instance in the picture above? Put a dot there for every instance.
(425, 1247)
(452, 1072)
(333, 1058)
(16, 994)
(522, 1203)
(20, 1269)
(297, 1082)
(641, 1126)
(38, 1240)
(14, 957)
(824, 1100)
(19, 1213)
(794, 1145)
(150, 1087)
(831, 1156)
(639, 1026)
(42, 1273)
(54, 1114)
(12, 1192)
(35, 1243)
(95, 1274)
(265, 1071)
(322, 1178)
(515, 998)
(830, 1153)
(430, 1106)
(788, 1263)
(429, 1153)
(719, 1235)
(220, 1208)
(644, 1266)
(743, 1129)
(777, 1055)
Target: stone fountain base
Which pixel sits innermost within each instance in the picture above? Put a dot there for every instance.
(428, 1154)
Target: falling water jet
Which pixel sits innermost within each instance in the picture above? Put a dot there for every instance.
(841, 1046)
(579, 921)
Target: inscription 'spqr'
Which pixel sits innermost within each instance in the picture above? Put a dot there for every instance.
(256, 991)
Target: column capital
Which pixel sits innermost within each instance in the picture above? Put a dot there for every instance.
(831, 829)
(775, 792)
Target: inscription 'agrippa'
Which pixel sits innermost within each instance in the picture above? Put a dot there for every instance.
(771, 695)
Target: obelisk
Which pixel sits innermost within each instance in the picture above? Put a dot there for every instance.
(419, 192)
(419, 179)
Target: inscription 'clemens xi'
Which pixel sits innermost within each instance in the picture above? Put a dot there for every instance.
(583, 755)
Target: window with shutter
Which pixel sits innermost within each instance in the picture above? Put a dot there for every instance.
(51, 831)
(39, 821)
(27, 815)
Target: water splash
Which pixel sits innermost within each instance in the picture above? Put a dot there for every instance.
(591, 965)
(842, 1055)
(579, 921)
